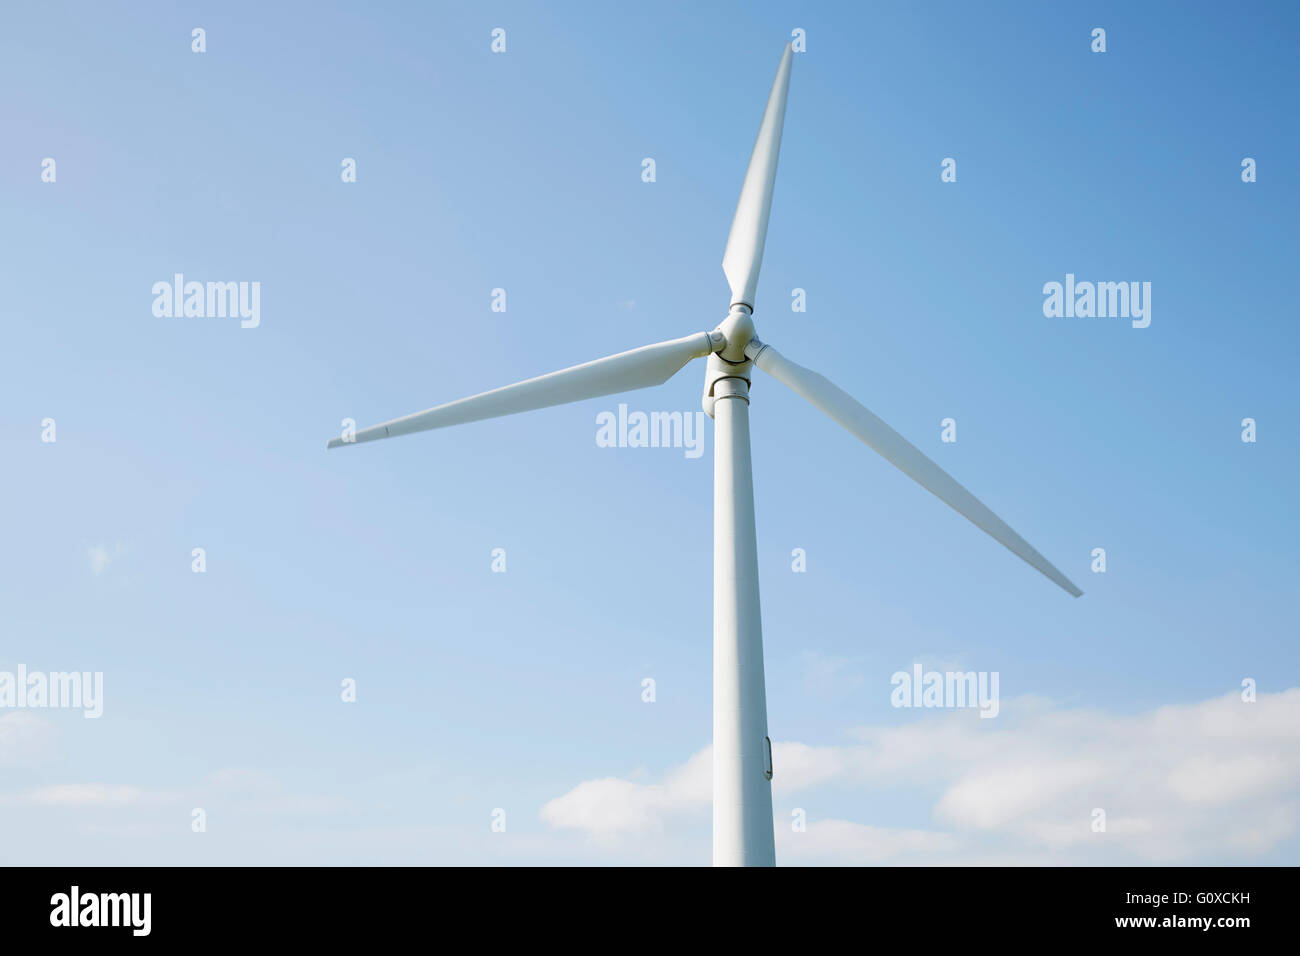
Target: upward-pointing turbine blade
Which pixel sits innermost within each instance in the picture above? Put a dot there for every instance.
(744, 255)
(624, 372)
(899, 452)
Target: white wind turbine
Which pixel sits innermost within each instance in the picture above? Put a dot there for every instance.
(742, 750)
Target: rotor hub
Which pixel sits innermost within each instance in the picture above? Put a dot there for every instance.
(729, 364)
(737, 328)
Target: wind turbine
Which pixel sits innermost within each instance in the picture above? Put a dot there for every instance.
(742, 750)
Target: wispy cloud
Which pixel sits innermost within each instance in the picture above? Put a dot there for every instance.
(102, 555)
(91, 795)
(1178, 783)
(23, 735)
(612, 807)
(239, 789)
(825, 675)
(843, 841)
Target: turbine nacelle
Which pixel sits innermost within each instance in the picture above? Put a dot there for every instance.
(728, 361)
(737, 329)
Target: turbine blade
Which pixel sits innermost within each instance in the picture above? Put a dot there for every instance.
(899, 452)
(744, 255)
(624, 372)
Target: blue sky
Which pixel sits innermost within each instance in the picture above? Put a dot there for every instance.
(522, 171)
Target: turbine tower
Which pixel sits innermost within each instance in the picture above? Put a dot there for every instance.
(742, 750)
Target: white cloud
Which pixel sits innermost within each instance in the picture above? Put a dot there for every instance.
(839, 840)
(994, 799)
(828, 676)
(242, 780)
(238, 789)
(1180, 783)
(101, 556)
(88, 795)
(613, 806)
